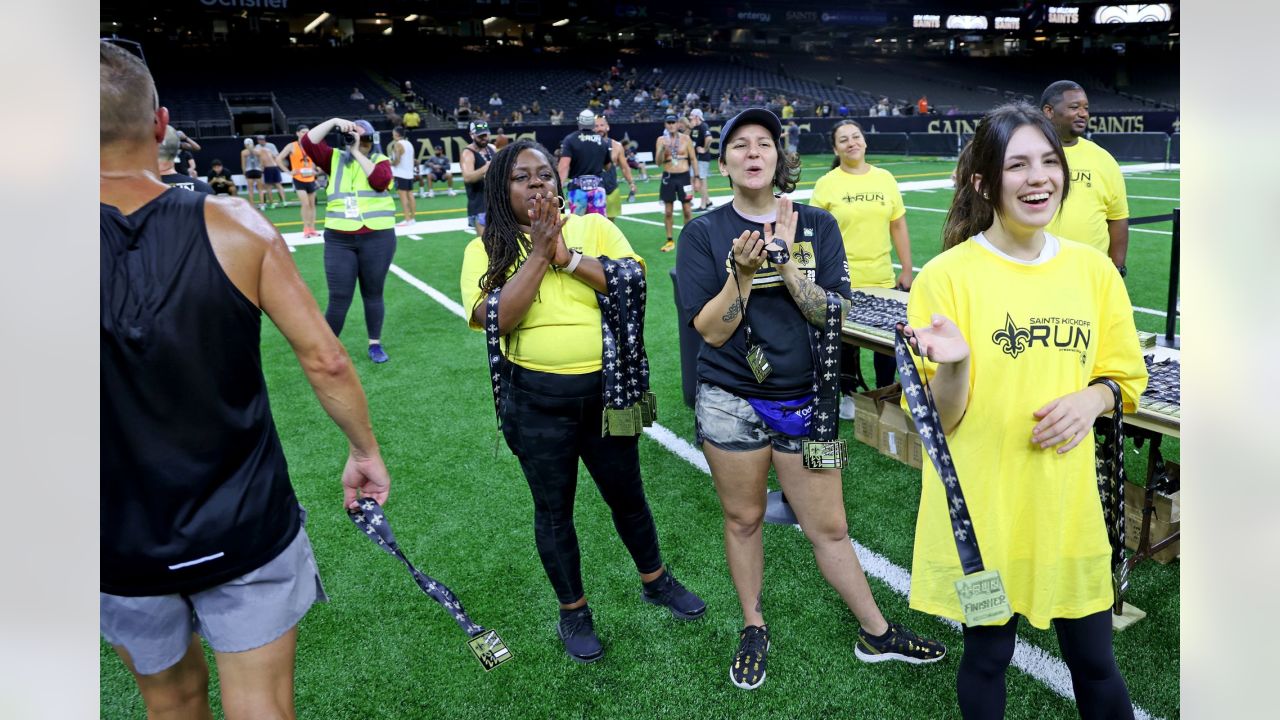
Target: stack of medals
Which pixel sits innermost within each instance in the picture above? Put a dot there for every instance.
(629, 406)
(1164, 387)
(873, 311)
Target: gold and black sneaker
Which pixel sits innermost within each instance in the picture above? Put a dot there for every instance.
(668, 246)
(748, 668)
(897, 643)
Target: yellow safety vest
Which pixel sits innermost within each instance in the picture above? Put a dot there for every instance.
(376, 208)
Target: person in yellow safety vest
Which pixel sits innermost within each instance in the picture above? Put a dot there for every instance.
(359, 220)
(303, 170)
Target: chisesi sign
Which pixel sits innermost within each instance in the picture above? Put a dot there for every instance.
(1064, 15)
(926, 21)
(273, 4)
(966, 22)
(1114, 14)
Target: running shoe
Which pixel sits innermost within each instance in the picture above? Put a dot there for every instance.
(668, 246)
(846, 407)
(748, 668)
(404, 223)
(669, 593)
(898, 643)
(452, 192)
(377, 354)
(431, 193)
(578, 633)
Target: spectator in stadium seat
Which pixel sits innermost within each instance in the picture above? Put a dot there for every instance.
(1097, 214)
(357, 95)
(201, 531)
(517, 117)
(271, 178)
(169, 174)
(556, 117)
(1031, 489)
(843, 110)
(866, 203)
(922, 106)
(412, 120)
(220, 179)
(495, 102)
(359, 224)
(305, 175)
(437, 168)
(251, 167)
(748, 421)
(407, 95)
(535, 279)
(462, 114)
(535, 109)
(788, 110)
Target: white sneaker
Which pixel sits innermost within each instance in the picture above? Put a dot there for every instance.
(431, 193)
(846, 407)
(422, 193)
(452, 192)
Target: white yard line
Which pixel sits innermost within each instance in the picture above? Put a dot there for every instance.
(1155, 197)
(1031, 660)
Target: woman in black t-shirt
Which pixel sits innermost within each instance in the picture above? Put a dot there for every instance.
(756, 277)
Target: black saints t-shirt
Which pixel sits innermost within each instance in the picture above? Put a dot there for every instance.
(703, 263)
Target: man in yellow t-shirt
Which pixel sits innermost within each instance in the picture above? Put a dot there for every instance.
(412, 119)
(1096, 211)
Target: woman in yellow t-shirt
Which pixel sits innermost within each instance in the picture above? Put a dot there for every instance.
(868, 206)
(536, 279)
(1015, 324)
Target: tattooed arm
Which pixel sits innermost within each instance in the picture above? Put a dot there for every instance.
(811, 299)
(719, 318)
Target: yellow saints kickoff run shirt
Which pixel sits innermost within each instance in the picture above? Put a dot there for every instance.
(1097, 195)
(863, 205)
(561, 332)
(1035, 333)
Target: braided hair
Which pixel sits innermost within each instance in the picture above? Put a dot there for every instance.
(504, 242)
(973, 210)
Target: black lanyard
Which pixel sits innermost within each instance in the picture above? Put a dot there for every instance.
(925, 413)
(486, 644)
(1111, 479)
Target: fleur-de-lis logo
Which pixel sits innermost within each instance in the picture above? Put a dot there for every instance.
(803, 254)
(1011, 338)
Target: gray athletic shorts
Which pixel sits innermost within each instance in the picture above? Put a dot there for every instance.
(704, 167)
(241, 614)
(730, 423)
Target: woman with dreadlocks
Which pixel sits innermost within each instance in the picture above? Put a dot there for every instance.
(561, 299)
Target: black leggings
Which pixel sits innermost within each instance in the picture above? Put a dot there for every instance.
(884, 365)
(367, 257)
(1086, 648)
(549, 422)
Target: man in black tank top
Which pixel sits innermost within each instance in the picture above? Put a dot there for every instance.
(475, 163)
(200, 528)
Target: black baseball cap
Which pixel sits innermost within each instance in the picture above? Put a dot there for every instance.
(750, 116)
(670, 118)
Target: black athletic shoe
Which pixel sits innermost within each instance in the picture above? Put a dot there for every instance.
(668, 592)
(898, 643)
(578, 634)
(748, 668)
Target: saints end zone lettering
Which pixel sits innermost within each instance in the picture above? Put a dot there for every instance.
(1066, 334)
(1097, 123)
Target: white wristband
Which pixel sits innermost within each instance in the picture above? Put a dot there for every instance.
(575, 258)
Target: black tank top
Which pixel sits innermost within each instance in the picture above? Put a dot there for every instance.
(475, 190)
(194, 486)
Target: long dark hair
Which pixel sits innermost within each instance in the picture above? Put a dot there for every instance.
(835, 161)
(503, 240)
(973, 211)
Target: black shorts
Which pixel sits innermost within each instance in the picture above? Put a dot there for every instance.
(436, 174)
(676, 187)
(405, 184)
(253, 174)
(271, 175)
(304, 187)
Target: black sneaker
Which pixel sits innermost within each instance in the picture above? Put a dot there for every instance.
(578, 634)
(748, 668)
(668, 592)
(898, 643)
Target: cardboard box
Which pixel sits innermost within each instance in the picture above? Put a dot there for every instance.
(898, 437)
(866, 412)
(1165, 521)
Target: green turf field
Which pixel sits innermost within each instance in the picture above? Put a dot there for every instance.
(463, 514)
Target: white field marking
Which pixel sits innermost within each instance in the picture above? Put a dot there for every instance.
(1161, 179)
(924, 209)
(1153, 232)
(674, 225)
(1031, 660)
(1155, 197)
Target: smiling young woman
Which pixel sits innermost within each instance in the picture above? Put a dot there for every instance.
(1018, 414)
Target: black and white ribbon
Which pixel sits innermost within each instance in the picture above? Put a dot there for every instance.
(624, 364)
(373, 523)
(925, 414)
(1109, 461)
(824, 343)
